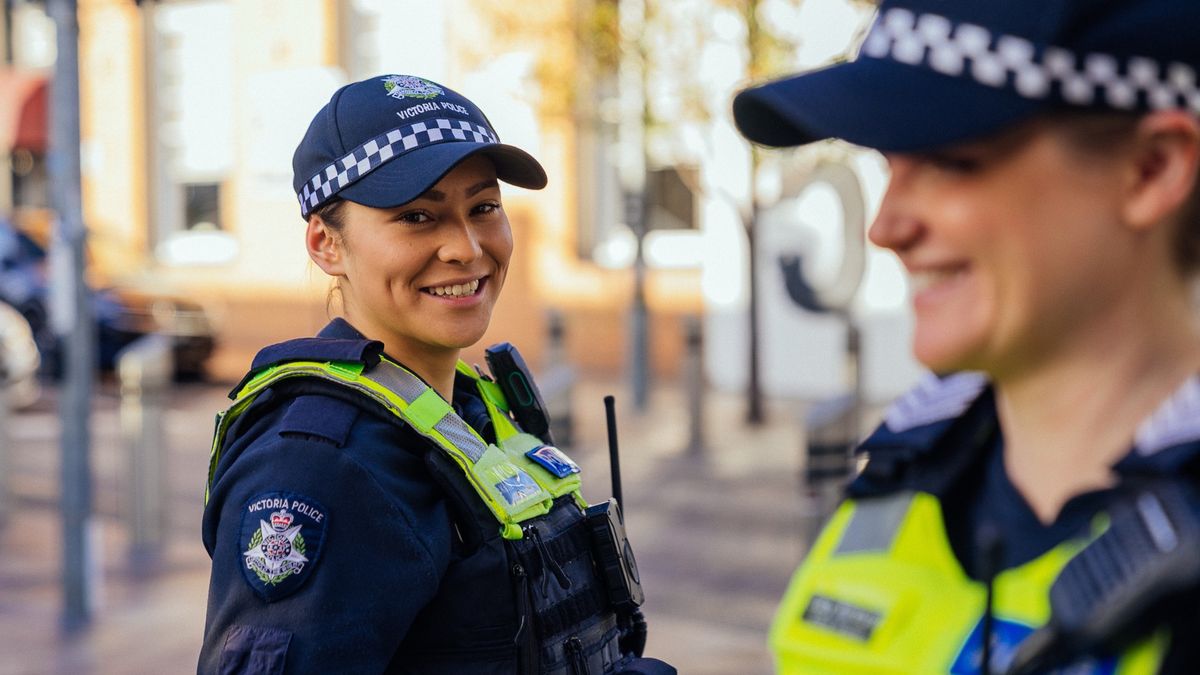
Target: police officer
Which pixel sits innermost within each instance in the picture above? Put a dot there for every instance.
(1032, 506)
(371, 506)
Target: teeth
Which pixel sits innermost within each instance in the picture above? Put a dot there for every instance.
(457, 290)
(923, 280)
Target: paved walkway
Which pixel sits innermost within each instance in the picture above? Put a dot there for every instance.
(717, 535)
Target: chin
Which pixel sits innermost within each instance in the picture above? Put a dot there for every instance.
(942, 357)
(461, 340)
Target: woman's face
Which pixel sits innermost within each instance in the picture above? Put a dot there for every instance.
(425, 276)
(1014, 246)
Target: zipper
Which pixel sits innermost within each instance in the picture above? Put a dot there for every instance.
(527, 646)
(573, 648)
(548, 561)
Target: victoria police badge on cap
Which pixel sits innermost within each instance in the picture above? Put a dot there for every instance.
(280, 541)
(553, 460)
(407, 86)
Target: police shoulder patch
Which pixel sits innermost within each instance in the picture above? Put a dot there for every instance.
(279, 542)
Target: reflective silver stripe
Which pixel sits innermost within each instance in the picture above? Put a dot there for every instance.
(874, 524)
(409, 387)
(397, 380)
(459, 434)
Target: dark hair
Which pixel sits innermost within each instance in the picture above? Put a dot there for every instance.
(1100, 133)
(331, 213)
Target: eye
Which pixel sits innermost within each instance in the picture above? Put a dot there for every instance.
(487, 208)
(955, 162)
(413, 217)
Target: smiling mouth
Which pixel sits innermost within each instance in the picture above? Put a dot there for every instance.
(465, 290)
(926, 279)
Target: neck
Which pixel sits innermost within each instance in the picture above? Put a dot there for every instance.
(1068, 419)
(435, 365)
(437, 369)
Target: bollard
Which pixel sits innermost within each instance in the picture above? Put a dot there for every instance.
(5, 458)
(557, 382)
(145, 368)
(833, 427)
(694, 373)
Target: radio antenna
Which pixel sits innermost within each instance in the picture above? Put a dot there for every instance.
(614, 460)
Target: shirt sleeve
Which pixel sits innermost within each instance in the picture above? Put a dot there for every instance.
(322, 553)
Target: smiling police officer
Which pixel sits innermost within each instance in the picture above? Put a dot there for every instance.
(1033, 506)
(372, 505)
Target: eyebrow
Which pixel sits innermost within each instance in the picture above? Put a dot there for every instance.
(439, 196)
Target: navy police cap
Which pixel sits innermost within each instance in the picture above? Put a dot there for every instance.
(934, 72)
(384, 141)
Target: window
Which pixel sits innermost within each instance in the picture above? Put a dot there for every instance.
(190, 101)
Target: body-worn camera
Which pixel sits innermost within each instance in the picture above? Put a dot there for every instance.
(516, 381)
(614, 556)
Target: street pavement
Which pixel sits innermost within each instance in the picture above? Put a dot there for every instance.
(717, 531)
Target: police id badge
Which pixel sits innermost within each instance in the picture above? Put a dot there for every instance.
(280, 541)
(553, 460)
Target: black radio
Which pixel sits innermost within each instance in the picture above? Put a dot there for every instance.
(614, 556)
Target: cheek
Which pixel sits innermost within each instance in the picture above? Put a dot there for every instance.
(499, 245)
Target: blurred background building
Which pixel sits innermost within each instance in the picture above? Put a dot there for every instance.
(661, 230)
(191, 110)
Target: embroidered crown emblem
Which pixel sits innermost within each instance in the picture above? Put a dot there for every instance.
(407, 86)
(281, 520)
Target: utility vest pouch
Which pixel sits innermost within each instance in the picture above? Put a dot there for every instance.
(578, 631)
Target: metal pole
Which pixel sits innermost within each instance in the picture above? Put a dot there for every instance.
(755, 414)
(639, 320)
(632, 175)
(71, 318)
(694, 381)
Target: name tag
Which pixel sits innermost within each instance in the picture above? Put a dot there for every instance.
(553, 460)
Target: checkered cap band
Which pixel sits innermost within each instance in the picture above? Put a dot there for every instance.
(1036, 72)
(384, 148)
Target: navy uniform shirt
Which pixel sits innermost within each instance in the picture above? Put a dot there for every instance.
(326, 533)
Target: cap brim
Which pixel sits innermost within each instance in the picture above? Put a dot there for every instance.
(878, 104)
(400, 181)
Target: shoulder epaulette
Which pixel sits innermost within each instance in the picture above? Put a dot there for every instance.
(366, 352)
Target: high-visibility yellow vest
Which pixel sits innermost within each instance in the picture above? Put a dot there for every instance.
(512, 485)
(882, 592)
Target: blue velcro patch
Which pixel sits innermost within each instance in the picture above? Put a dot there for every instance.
(1006, 637)
(280, 541)
(518, 488)
(553, 460)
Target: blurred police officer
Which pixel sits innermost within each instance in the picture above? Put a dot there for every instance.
(1032, 505)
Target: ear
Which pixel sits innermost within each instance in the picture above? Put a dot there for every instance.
(324, 246)
(1165, 153)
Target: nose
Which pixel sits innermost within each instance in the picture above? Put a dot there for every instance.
(896, 226)
(460, 243)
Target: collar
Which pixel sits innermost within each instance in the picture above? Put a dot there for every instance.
(1169, 440)
(337, 341)
(933, 431)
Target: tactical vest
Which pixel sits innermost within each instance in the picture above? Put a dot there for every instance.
(882, 592)
(565, 624)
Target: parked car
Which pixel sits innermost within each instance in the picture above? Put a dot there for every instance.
(122, 315)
